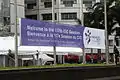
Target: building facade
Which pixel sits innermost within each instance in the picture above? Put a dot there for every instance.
(4, 13)
(20, 12)
(7, 13)
(66, 11)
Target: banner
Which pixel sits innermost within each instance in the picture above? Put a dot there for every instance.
(94, 38)
(40, 33)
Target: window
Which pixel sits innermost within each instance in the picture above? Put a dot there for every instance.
(87, 3)
(6, 20)
(48, 4)
(68, 3)
(48, 16)
(45, 0)
(110, 42)
(32, 17)
(54, 2)
(117, 42)
(68, 16)
(31, 6)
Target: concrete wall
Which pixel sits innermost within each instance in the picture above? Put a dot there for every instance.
(20, 12)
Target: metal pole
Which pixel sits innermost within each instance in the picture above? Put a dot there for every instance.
(58, 16)
(2, 14)
(63, 58)
(16, 32)
(54, 55)
(114, 43)
(106, 33)
(91, 55)
(38, 7)
(37, 54)
(53, 16)
(82, 23)
(4, 61)
(81, 12)
(53, 19)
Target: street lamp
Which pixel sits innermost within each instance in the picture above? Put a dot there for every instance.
(16, 32)
(81, 11)
(106, 33)
(82, 23)
(53, 19)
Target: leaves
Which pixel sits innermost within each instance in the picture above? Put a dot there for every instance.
(5, 31)
(116, 52)
(95, 19)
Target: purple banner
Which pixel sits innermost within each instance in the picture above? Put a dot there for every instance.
(40, 33)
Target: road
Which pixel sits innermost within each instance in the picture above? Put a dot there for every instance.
(107, 78)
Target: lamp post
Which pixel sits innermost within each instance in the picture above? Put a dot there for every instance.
(53, 19)
(16, 36)
(82, 23)
(81, 12)
(106, 33)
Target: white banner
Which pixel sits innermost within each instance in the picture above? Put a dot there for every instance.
(94, 38)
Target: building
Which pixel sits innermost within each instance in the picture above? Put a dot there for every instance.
(20, 12)
(66, 11)
(7, 13)
(4, 13)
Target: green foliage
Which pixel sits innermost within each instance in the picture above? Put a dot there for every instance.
(95, 18)
(5, 31)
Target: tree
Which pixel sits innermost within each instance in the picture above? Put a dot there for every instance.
(116, 52)
(5, 31)
(95, 18)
